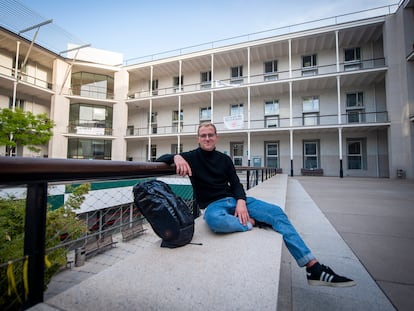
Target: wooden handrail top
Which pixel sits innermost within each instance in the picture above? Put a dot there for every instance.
(27, 170)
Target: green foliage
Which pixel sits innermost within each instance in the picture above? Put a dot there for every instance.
(23, 128)
(12, 213)
(61, 222)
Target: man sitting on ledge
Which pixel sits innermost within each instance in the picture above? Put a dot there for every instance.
(218, 189)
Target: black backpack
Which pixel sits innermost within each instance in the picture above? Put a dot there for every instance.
(167, 213)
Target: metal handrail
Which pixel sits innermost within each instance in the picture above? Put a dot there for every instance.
(36, 173)
(18, 170)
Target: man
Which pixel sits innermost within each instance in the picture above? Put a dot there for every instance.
(218, 189)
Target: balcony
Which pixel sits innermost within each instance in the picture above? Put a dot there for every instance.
(221, 83)
(276, 124)
(32, 85)
(90, 91)
(86, 130)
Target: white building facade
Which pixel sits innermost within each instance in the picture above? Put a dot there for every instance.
(332, 100)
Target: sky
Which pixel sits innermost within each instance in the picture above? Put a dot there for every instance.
(138, 28)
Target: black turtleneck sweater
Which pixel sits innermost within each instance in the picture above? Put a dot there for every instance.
(214, 176)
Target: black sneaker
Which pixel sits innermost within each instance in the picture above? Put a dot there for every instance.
(261, 225)
(321, 275)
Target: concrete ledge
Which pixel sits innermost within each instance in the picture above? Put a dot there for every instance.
(238, 271)
(272, 190)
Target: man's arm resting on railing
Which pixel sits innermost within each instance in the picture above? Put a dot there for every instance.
(181, 165)
(166, 158)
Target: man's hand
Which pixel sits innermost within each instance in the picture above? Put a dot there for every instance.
(241, 212)
(181, 166)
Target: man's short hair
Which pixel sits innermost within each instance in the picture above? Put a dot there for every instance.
(207, 124)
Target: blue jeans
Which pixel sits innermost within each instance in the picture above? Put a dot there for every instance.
(219, 216)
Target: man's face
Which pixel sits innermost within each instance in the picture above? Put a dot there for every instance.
(207, 138)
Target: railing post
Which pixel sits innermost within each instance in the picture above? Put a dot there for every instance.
(257, 177)
(196, 209)
(34, 241)
(248, 179)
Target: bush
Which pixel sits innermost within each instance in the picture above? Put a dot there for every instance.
(59, 222)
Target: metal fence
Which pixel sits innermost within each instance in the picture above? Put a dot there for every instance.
(55, 213)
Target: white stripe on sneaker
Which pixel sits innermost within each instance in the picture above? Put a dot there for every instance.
(326, 277)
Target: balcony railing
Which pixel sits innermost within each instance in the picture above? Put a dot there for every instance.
(38, 181)
(278, 76)
(91, 91)
(34, 80)
(89, 130)
(304, 121)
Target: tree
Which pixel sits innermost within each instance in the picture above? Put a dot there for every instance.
(23, 128)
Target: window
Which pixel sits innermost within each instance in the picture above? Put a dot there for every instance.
(92, 114)
(354, 100)
(310, 108)
(310, 154)
(92, 85)
(153, 122)
(175, 116)
(355, 148)
(205, 114)
(236, 110)
(80, 148)
(154, 87)
(19, 103)
(272, 154)
(90, 119)
(236, 150)
(178, 85)
(352, 58)
(309, 65)
(355, 115)
(271, 107)
(309, 61)
(310, 119)
(205, 79)
(355, 107)
(237, 74)
(177, 122)
(153, 153)
(310, 103)
(270, 70)
(154, 116)
(271, 121)
(353, 54)
(271, 111)
(130, 130)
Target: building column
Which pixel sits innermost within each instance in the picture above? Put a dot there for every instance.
(291, 151)
(248, 107)
(337, 50)
(59, 111)
(341, 171)
(179, 124)
(212, 86)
